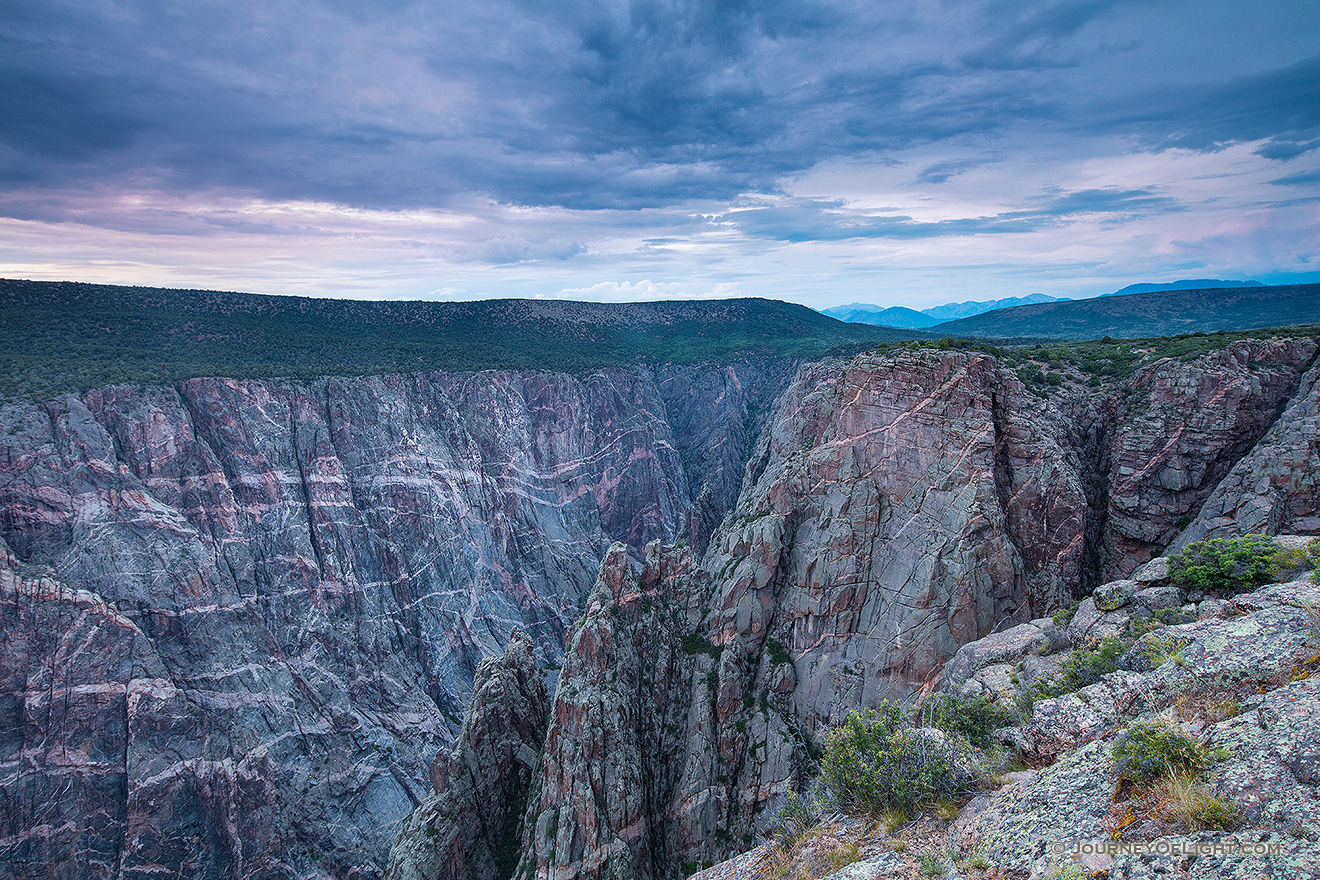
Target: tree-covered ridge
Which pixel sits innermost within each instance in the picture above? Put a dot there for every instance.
(68, 336)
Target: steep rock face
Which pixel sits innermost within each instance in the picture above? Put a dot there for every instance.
(716, 416)
(110, 767)
(308, 576)
(869, 541)
(314, 572)
(1276, 487)
(615, 737)
(896, 507)
(900, 507)
(1182, 427)
(468, 829)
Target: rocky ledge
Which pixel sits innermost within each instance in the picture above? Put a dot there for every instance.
(1237, 676)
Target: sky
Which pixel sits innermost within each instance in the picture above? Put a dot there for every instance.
(899, 153)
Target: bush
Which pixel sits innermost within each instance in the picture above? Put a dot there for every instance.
(1147, 751)
(1083, 667)
(1294, 559)
(976, 718)
(872, 764)
(1064, 616)
(1225, 565)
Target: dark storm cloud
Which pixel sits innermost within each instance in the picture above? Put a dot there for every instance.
(1281, 105)
(580, 104)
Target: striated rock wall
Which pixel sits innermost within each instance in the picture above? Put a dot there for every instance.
(1180, 429)
(241, 618)
(895, 508)
(307, 577)
(1275, 488)
(469, 828)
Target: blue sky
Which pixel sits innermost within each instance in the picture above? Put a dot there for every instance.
(904, 153)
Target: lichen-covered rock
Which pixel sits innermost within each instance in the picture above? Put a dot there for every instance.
(1090, 624)
(1039, 669)
(1024, 823)
(1266, 752)
(1157, 598)
(1058, 724)
(1271, 768)
(468, 829)
(1115, 594)
(1009, 646)
(1154, 573)
(996, 682)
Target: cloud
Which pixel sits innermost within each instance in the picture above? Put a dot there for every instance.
(646, 291)
(1104, 201)
(1299, 178)
(505, 145)
(578, 104)
(805, 219)
(942, 172)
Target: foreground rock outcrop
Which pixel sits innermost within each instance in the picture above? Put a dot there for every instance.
(1239, 678)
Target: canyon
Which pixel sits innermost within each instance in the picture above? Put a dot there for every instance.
(243, 619)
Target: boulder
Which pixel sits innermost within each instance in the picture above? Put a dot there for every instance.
(1006, 647)
(1155, 598)
(1115, 594)
(1154, 573)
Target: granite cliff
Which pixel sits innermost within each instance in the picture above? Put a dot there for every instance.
(242, 618)
(897, 506)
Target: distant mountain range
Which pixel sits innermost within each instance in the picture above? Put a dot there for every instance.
(1139, 315)
(911, 319)
(893, 316)
(1186, 284)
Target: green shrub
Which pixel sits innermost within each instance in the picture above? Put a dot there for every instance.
(976, 718)
(931, 866)
(778, 653)
(1290, 559)
(1085, 666)
(1147, 751)
(1225, 565)
(873, 763)
(1064, 616)
(696, 643)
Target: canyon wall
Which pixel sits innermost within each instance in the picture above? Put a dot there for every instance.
(896, 507)
(242, 618)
